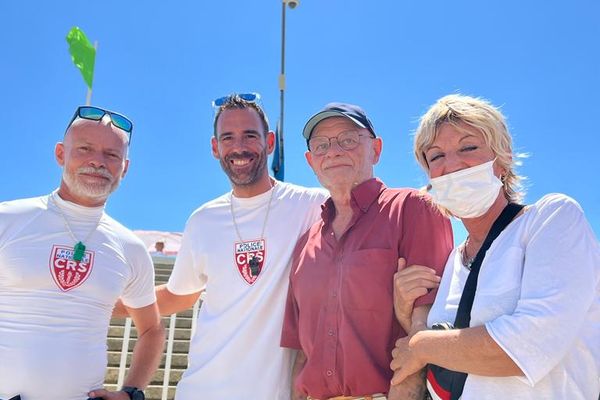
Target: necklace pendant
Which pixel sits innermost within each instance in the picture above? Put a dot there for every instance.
(79, 251)
(253, 264)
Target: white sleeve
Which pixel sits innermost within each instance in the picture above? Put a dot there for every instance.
(188, 274)
(558, 287)
(139, 291)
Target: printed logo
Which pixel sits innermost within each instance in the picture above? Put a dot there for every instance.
(66, 272)
(250, 259)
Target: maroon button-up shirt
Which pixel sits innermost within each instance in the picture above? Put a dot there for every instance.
(339, 309)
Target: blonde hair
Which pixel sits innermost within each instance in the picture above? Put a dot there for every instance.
(477, 113)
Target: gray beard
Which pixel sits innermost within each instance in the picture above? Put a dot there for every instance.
(93, 191)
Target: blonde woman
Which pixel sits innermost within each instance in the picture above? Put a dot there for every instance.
(533, 329)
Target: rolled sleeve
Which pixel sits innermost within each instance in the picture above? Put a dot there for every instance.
(289, 333)
(427, 238)
(557, 291)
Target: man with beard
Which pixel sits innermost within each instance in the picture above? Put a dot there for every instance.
(63, 264)
(237, 248)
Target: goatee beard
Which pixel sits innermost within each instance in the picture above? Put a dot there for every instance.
(92, 191)
(250, 177)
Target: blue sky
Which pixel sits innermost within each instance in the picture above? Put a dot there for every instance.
(161, 63)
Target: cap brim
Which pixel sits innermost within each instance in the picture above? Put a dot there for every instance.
(318, 117)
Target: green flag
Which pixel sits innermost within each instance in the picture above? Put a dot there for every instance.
(83, 54)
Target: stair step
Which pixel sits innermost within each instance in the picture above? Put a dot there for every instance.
(181, 322)
(177, 360)
(118, 332)
(163, 267)
(112, 375)
(116, 344)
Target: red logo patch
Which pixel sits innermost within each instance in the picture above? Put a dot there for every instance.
(66, 272)
(250, 258)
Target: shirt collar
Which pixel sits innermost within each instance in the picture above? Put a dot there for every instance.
(363, 195)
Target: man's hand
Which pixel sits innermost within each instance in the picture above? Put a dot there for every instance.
(406, 360)
(297, 367)
(410, 283)
(119, 310)
(412, 388)
(108, 395)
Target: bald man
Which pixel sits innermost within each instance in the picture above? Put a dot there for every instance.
(63, 264)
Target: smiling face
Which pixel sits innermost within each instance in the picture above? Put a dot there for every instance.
(94, 160)
(339, 168)
(457, 147)
(242, 146)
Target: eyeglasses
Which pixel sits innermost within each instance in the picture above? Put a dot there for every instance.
(96, 114)
(249, 97)
(348, 140)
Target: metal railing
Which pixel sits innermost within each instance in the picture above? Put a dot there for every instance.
(168, 352)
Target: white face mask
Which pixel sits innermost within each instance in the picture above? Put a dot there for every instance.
(467, 193)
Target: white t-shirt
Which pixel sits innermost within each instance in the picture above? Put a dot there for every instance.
(235, 352)
(538, 295)
(54, 312)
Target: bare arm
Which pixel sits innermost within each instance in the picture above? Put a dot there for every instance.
(149, 346)
(419, 319)
(168, 302)
(298, 365)
(410, 283)
(146, 353)
(470, 350)
(411, 388)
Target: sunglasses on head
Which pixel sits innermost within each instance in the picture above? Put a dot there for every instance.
(96, 114)
(249, 97)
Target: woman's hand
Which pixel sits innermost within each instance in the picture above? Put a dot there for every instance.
(406, 359)
(410, 283)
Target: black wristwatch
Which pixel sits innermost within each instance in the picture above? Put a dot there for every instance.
(133, 393)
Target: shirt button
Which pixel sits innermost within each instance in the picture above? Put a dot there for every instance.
(329, 372)
(334, 294)
(331, 332)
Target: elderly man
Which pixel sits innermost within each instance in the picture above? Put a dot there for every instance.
(63, 264)
(340, 307)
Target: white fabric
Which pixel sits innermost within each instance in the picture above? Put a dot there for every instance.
(467, 193)
(235, 352)
(538, 295)
(53, 342)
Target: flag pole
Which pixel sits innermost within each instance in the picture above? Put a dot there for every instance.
(281, 95)
(88, 97)
(278, 164)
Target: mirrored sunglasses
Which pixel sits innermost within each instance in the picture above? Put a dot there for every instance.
(249, 97)
(96, 114)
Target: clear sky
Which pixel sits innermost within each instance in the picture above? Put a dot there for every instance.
(161, 63)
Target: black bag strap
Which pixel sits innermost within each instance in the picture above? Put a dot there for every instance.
(463, 314)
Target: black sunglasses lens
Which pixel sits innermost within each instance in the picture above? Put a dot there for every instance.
(121, 122)
(92, 113)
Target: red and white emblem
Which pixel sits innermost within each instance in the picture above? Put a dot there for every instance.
(250, 258)
(66, 272)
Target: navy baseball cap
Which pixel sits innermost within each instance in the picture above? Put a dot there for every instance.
(350, 111)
